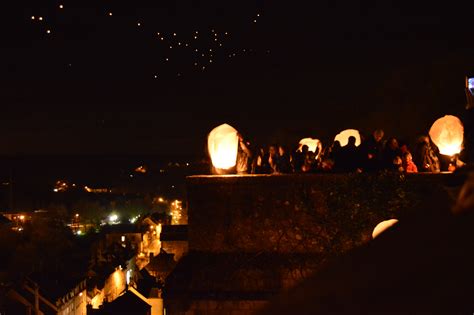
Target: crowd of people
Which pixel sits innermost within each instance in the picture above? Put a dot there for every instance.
(373, 154)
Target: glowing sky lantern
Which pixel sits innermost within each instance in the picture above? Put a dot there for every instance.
(222, 144)
(383, 226)
(343, 137)
(312, 144)
(448, 134)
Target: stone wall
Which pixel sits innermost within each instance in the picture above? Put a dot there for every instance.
(302, 213)
(250, 237)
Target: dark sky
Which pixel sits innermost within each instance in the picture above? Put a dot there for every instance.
(276, 70)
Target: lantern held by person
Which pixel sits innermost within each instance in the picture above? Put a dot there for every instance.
(343, 137)
(222, 144)
(448, 134)
(314, 145)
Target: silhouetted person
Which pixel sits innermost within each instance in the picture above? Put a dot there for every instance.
(244, 157)
(371, 151)
(272, 157)
(300, 157)
(262, 166)
(310, 163)
(283, 161)
(349, 157)
(425, 156)
(334, 154)
(468, 120)
(390, 152)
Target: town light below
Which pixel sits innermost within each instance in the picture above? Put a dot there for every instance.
(448, 134)
(343, 137)
(222, 144)
(113, 218)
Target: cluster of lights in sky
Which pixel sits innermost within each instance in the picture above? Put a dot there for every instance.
(195, 49)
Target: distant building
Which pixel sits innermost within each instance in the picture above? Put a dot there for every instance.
(161, 266)
(129, 303)
(148, 288)
(5, 223)
(125, 235)
(174, 240)
(108, 282)
(47, 296)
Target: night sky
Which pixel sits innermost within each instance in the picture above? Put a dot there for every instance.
(154, 77)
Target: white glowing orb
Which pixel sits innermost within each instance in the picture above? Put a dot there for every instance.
(222, 144)
(448, 134)
(113, 217)
(312, 144)
(343, 137)
(383, 226)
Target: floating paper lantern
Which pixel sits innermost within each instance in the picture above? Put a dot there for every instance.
(448, 134)
(383, 226)
(222, 144)
(343, 137)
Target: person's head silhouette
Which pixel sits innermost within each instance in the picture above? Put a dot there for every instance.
(351, 141)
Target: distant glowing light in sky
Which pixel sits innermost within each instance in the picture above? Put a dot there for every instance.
(173, 38)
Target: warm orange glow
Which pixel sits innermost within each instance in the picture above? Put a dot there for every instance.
(343, 137)
(158, 229)
(448, 134)
(141, 169)
(96, 301)
(222, 144)
(312, 144)
(383, 226)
